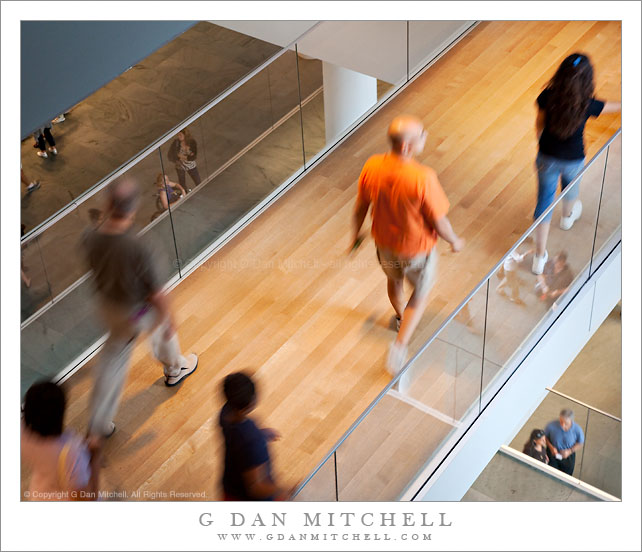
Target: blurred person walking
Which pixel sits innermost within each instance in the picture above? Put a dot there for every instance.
(131, 302)
(247, 473)
(409, 210)
(63, 466)
(564, 107)
(182, 153)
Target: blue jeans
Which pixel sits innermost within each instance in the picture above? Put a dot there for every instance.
(549, 170)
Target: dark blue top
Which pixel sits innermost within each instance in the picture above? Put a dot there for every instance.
(572, 148)
(245, 448)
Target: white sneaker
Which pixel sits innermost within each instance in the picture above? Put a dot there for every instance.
(396, 358)
(42, 154)
(566, 223)
(33, 186)
(111, 429)
(539, 263)
(53, 150)
(192, 363)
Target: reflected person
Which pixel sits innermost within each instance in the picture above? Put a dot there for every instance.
(182, 152)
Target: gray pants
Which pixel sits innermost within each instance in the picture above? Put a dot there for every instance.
(111, 368)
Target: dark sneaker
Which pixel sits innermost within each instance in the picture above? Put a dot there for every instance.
(192, 363)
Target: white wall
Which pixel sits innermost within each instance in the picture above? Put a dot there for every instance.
(375, 48)
(280, 33)
(523, 393)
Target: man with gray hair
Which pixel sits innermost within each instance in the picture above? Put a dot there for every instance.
(131, 301)
(563, 438)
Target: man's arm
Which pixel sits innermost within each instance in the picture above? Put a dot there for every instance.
(566, 453)
(551, 447)
(260, 485)
(360, 212)
(446, 232)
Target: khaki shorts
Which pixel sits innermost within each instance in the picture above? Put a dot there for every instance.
(420, 270)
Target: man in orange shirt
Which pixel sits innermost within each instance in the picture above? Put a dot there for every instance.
(409, 210)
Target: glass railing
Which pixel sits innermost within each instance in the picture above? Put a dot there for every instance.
(120, 122)
(599, 461)
(253, 140)
(443, 388)
(513, 477)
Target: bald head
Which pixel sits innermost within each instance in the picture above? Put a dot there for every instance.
(407, 135)
(123, 195)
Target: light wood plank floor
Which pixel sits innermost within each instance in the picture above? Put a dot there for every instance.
(283, 300)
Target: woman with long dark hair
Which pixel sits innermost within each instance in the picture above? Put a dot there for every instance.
(182, 153)
(535, 447)
(564, 106)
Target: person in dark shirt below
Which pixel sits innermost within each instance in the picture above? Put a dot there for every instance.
(247, 474)
(564, 107)
(536, 446)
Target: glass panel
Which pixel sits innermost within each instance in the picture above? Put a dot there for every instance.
(35, 291)
(609, 224)
(121, 119)
(70, 327)
(411, 423)
(519, 301)
(57, 338)
(445, 379)
(506, 479)
(322, 486)
(249, 155)
(602, 464)
(426, 39)
(355, 69)
(549, 411)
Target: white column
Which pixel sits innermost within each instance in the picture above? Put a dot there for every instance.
(346, 96)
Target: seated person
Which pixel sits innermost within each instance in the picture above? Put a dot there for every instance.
(168, 192)
(536, 446)
(555, 280)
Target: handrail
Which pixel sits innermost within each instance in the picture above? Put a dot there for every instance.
(101, 184)
(585, 405)
(557, 474)
(450, 317)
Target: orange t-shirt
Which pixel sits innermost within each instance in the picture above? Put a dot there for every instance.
(406, 200)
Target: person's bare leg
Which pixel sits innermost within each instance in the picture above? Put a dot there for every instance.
(411, 317)
(396, 296)
(541, 237)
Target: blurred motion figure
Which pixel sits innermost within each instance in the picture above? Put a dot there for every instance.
(131, 302)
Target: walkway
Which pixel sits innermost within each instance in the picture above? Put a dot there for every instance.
(283, 301)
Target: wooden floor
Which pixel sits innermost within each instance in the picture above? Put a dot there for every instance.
(284, 302)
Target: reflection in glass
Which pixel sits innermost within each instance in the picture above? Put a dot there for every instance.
(609, 224)
(250, 156)
(35, 290)
(322, 486)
